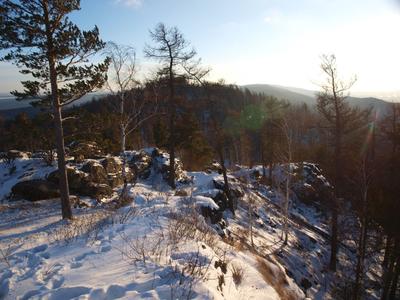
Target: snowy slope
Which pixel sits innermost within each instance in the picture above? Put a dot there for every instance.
(159, 247)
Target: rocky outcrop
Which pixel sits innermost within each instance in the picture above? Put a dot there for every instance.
(154, 161)
(141, 163)
(14, 154)
(112, 165)
(309, 184)
(84, 150)
(34, 190)
(92, 183)
(96, 172)
(75, 178)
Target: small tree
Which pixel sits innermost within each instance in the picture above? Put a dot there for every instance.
(173, 51)
(54, 51)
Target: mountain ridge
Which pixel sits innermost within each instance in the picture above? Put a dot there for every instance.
(298, 96)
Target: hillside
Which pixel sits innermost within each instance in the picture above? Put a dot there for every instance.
(165, 244)
(298, 95)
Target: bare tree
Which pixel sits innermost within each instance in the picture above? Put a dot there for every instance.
(172, 50)
(122, 83)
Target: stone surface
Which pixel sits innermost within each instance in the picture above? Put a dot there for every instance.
(112, 164)
(81, 150)
(96, 171)
(34, 190)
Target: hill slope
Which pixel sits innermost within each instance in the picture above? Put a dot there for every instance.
(298, 95)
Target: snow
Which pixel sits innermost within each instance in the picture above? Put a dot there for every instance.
(159, 246)
(23, 169)
(132, 253)
(205, 202)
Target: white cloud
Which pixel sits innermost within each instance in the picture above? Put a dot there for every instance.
(130, 3)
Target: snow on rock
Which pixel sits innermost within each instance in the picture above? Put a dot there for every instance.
(205, 202)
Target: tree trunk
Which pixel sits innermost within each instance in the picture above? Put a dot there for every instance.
(388, 273)
(363, 234)
(172, 152)
(395, 280)
(172, 112)
(334, 235)
(123, 142)
(360, 259)
(388, 248)
(62, 172)
(227, 190)
(286, 207)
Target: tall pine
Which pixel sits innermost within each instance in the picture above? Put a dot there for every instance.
(42, 41)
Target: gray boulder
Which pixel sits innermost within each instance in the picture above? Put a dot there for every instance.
(82, 150)
(34, 190)
(112, 165)
(76, 179)
(96, 171)
(141, 164)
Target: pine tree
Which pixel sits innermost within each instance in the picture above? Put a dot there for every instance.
(46, 45)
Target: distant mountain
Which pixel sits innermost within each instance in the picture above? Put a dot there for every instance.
(298, 95)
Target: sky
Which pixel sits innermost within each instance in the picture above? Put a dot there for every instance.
(260, 41)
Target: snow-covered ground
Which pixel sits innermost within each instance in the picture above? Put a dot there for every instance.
(160, 246)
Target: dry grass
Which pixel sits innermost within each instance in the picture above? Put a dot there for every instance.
(88, 225)
(275, 277)
(237, 274)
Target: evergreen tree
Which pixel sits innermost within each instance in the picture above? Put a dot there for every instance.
(42, 41)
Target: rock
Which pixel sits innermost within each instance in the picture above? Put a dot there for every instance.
(235, 189)
(214, 167)
(214, 215)
(76, 179)
(82, 150)
(112, 165)
(141, 164)
(309, 184)
(181, 193)
(221, 200)
(96, 190)
(34, 190)
(154, 161)
(13, 154)
(305, 283)
(115, 180)
(96, 171)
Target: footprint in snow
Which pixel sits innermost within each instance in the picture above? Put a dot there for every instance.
(77, 261)
(105, 248)
(40, 248)
(56, 282)
(75, 264)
